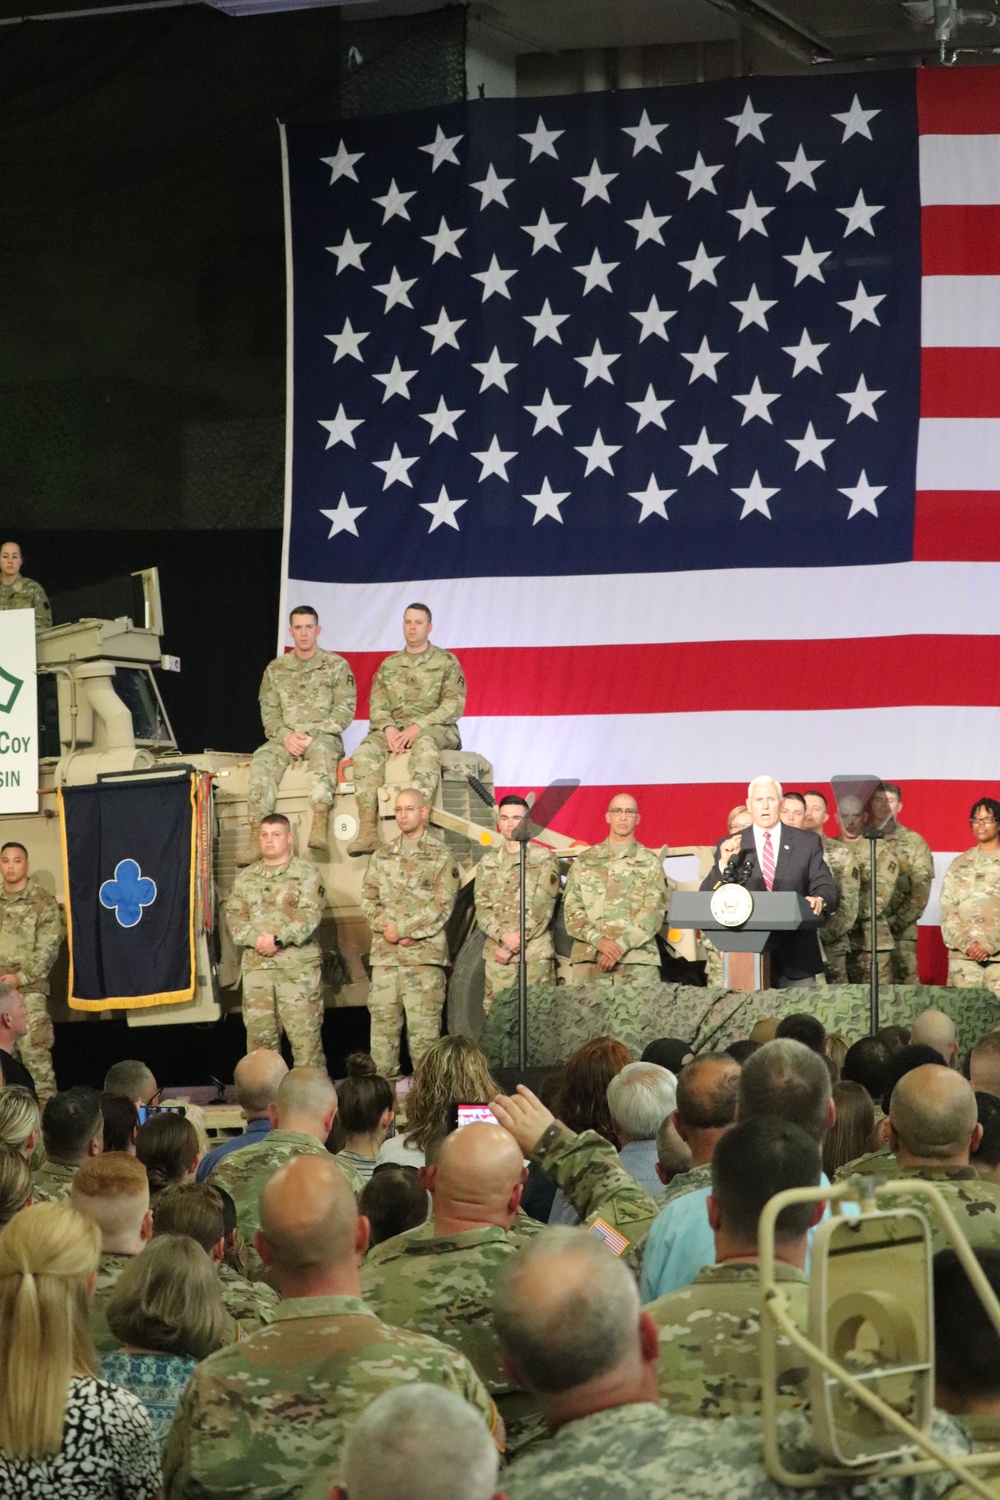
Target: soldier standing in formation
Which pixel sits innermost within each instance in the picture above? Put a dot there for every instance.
(842, 861)
(417, 698)
(616, 896)
(858, 956)
(273, 912)
(307, 700)
(498, 905)
(21, 593)
(407, 897)
(916, 876)
(970, 904)
(31, 930)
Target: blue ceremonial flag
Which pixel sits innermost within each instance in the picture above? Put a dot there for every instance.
(679, 408)
(129, 861)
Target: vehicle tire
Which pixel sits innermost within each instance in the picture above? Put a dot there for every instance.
(466, 988)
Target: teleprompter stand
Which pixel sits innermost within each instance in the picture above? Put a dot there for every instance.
(774, 913)
(534, 822)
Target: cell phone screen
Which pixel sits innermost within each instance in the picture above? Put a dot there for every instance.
(473, 1114)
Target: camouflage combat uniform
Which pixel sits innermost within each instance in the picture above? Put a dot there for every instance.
(886, 894)
(588, 1169)
(974, 1202)
(970, 913)
(244, 1174)
(250, 1304)
(709, 1363)
(263, 1420)
(916, 876)
(52, 1182)
(31, 930)
(881, 1163)
(442, 1285)
(425, 688)
(616, 891)
(286, 989)
(640, 1451)
(109, 1267)
(413, 883)
(498, 910)
(316, 696)
(834, 935)
(25, 593)
(686, 1182)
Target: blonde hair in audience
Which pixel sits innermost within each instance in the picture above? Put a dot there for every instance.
(48, 1255)
(15, 1183)
(20, 1117)
(453, 1070)
(169, 1299)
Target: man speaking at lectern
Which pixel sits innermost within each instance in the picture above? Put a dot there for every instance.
(775, 857)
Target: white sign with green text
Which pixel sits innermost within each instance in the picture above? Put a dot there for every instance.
(18, 713)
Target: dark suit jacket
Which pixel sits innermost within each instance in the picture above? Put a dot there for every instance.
(799, 867)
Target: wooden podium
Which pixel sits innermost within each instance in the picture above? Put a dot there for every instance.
(746, 963)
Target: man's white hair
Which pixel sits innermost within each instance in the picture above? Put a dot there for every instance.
(761, 781)
(640, 1098)
(419, 1442)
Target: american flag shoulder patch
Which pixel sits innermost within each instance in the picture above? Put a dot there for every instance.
(602, 1230)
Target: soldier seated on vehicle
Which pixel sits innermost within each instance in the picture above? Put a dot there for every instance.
(709, 1365)
(325, 1355)
(307, 700)
(18, 592)
(417, 698)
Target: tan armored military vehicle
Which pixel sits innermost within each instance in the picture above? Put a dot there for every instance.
(101, 716)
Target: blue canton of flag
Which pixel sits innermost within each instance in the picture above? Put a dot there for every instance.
(642, 332)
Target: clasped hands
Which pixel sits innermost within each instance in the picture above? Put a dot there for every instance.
(399, 740)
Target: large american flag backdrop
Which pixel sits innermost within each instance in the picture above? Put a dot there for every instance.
(681, 408)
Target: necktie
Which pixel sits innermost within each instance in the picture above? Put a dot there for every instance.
(767, 864)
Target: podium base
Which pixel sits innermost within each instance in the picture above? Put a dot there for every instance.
(746, 971)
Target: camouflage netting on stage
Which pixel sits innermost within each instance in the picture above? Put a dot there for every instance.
(561, 1018)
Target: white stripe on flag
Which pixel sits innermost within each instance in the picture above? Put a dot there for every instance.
(959, 453)
(959, 169)
(732, 746)
(960, 312)
(773, 604)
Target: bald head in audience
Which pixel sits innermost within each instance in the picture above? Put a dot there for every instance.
(306, 1101)
(476, 1180)
(984, 1064)
(571, 1329)
(933, 1028)
(257, 1078)
(311, 1238)
(932, 1119)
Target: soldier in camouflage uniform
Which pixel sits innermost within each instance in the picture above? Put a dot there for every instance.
(858, 957)
(21, 593)
(615, 900)
(916, 876)
(113, 1191)
(439, 1278)
(709, 1364)
(570, 1325)
(498, 905)
(970, 904)
(304, 1113)
(31, 930)
(194, 1209)
(269, 1417)
(843, 861)
(407, 896)
(416, 700)
(273, 911)
(307, 700)
(72, 1133)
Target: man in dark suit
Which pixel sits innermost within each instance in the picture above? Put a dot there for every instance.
(782, 859)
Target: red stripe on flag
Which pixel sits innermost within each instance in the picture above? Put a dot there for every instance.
(958, 101)
(696, 813)
(960, 239)
(960, 383)
(957, 526)
(699, 677)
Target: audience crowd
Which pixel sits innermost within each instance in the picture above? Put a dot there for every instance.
(360, 1298)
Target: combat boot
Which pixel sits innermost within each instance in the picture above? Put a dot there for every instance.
(366, 838)
(319, 831)
(248, 842)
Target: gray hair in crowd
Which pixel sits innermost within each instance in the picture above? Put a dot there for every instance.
(640, 1097)
(565, 1310)
(419, 1442)
(786, 1079)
